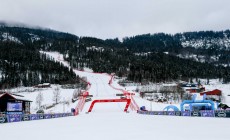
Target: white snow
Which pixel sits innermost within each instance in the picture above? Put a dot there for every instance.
(65, 95)
(119, 126)
(108, 121)
(7, 36)
(95, 48)
(34, 37)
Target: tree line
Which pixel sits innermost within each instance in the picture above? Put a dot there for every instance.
(149, 57)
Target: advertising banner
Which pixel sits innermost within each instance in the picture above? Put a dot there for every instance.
(34, 117)
(177, 113)
(160, 112)
(142, 112)
(14, 118)
(26, 117)
(56, 115)
(171, 113)
(165, 112)
(207, 113)
(2, 119)
(222, 113)
(41, 116)
(151, 112)
(155, 112)
(64, 114)
(47, 116)
(185, 113)
(195, 114)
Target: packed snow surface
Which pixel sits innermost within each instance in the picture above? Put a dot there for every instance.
(119, 126)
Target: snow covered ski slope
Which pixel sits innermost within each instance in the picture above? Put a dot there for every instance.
(108, 121)
(100, 88)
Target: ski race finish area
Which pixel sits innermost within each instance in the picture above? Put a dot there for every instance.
(117, 117)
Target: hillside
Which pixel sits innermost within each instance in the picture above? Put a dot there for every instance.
(157, 57)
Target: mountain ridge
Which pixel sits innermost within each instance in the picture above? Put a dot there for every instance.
(165, 57)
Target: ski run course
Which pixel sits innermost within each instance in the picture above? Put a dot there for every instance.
(109, 121)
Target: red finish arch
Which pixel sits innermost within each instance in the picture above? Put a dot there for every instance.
(110, 100)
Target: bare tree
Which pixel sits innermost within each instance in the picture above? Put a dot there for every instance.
(39, 100)
(56, 95)
(76, 93)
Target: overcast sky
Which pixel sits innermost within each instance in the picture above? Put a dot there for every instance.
(119, 18)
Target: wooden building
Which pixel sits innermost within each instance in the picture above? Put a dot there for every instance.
(213, 95)
(10, 103)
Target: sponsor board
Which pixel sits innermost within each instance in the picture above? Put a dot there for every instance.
(56, 115)
(34, 117)
(171, 113)
(41, 116)
(26, 117)
(185, 113)
(47, 116)
(160, 113)
(207, 113)
(202, 113)
(165, 112)
(2, 119)
(177, 113)
(195, 114)
(14, 118)
(222, 113)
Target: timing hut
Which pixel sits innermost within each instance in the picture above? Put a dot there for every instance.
(13, 104)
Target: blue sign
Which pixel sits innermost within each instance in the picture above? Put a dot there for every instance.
(160, 113)
(185, 113)
(47, 116)
(14, 106)
(14, 118)
(151, 113)
(34, 117)
(171, 113)
(207, 113)
(56, 115)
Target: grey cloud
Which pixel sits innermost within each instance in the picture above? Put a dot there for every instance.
(119, 18)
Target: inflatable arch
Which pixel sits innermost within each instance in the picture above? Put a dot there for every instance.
(174, 108)
(195, 102)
